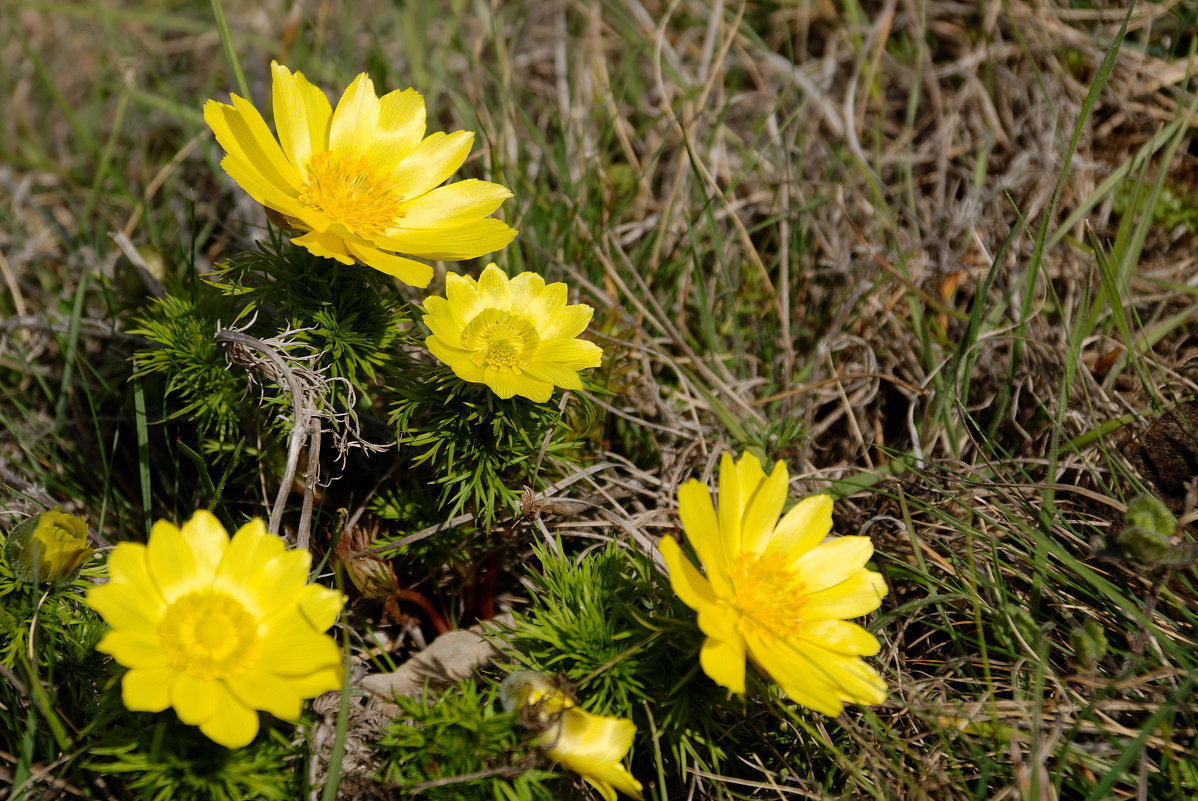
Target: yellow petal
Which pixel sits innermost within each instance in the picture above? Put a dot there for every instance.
(130, 599)
(857, 595)
(326, 245)
(320, 606)
(410, 271)
(528, 293)
(688, 583)
(452, 243)
(569, 354)
(724, 662)
(847, 679)
(751, 473)
(591, 740)
(268, 692)
(243, 133)
(553, 374)
(134, 648)
(732, 501)
(124, 607)
(493, 289)
(457, 359)
(804, 526)
(249, 570)
(235, 726)
(506, 384)
(282, 579)
(207, 539)
(301, 116)
(833, 562)
(310, 685)
(702, 527)
(171, 563)
(441, 321)
(291, 647)
(619, 778)
(606, 791)
(148, 690)
(356, 118)
(819, 696)
(196, 700)
(815, 676)
(592, 746)
(432, 161)
(567, 322)
(719, 621)
(455, 204)
(400, 128)
(461, 292)
(763, 509)
(270, 195)
(839, 636)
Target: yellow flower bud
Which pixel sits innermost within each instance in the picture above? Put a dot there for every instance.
(51, 546)
(593, 746)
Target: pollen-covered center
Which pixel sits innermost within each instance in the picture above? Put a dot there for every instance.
(351, 191)
(209, 635)
(500, 341)
(769, 594)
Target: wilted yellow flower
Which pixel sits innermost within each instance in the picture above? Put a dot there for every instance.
(774, 590)
(363, 181)
(590, 745)
(50, 546)
(516, 336)
(216, 628)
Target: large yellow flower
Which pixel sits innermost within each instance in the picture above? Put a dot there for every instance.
(364, 180)
(517, 336)
(593, 746)
(216, 628)
(774, 590)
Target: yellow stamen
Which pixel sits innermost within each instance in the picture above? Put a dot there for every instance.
(768, 593)
(350, 191)
(209, 635)
(500, 341)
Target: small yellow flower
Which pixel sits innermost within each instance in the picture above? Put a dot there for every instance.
(216, 628)
(516, 336)
(774, 590)
(363, 181)
(50, 546)
(590, 745)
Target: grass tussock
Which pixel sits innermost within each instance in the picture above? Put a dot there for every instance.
(939, 258)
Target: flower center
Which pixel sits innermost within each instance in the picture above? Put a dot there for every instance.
(500, 341)
(769, 595)
(209, 635)
(352, 192)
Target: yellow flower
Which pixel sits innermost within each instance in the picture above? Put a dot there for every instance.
(590, 745)
(774, 590)
(216, 628)
(516, 336)
(363, 181)
(50, 546)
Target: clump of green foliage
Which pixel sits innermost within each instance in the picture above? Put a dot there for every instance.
(459, 746)
(351, 314)
(345, 323)
(164, 760)
(195, 373)
(480, 448)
